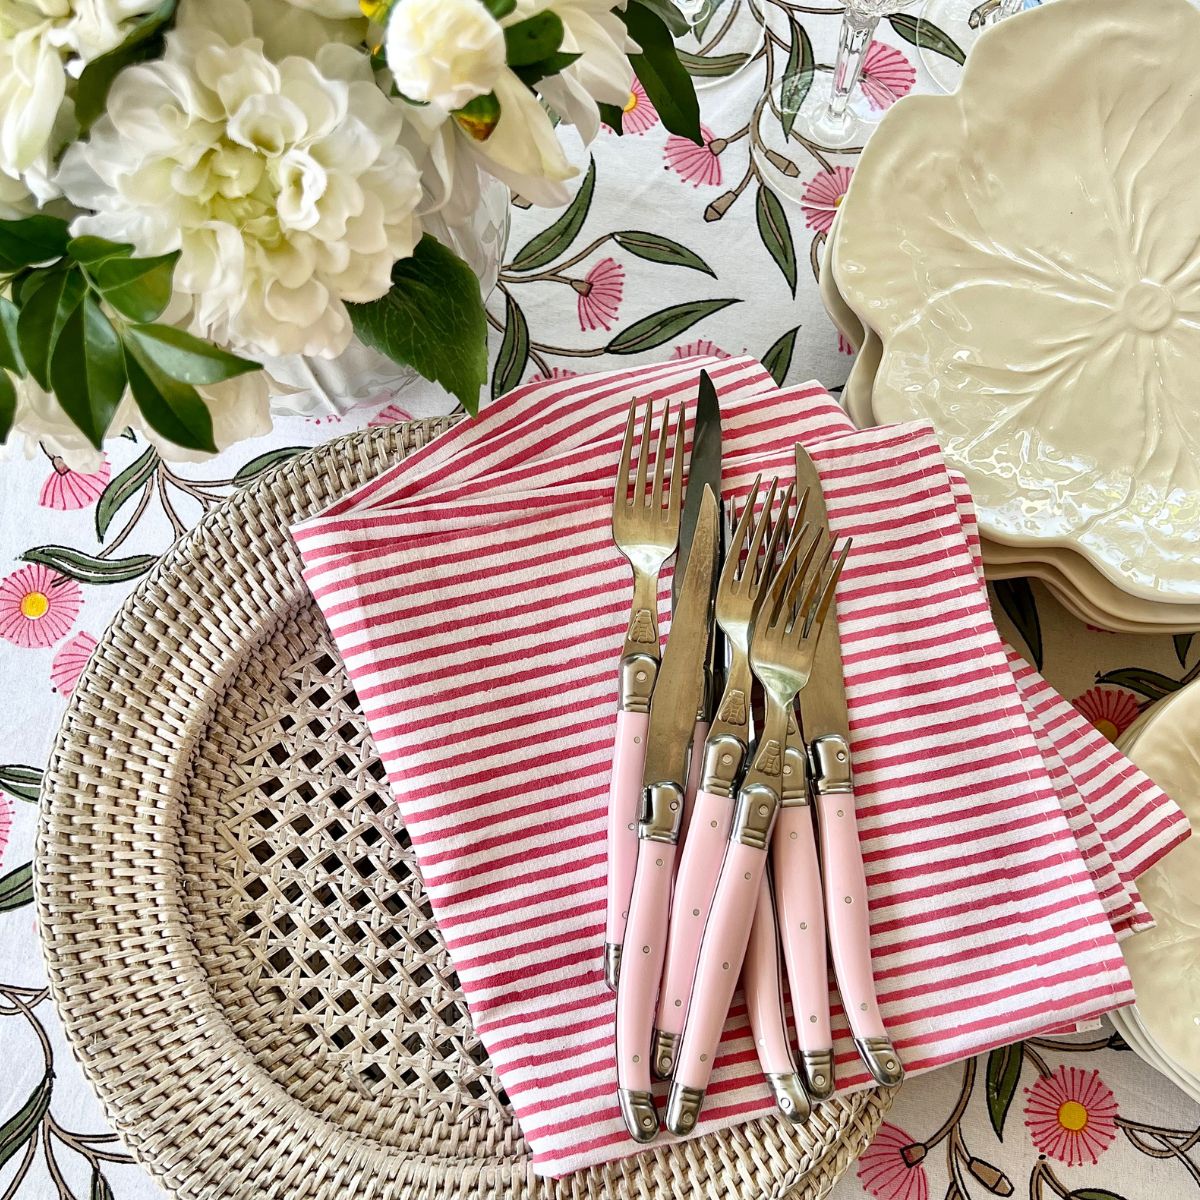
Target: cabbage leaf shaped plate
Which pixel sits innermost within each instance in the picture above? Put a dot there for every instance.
(1028, 251)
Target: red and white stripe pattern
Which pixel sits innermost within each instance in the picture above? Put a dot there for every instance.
(479, 604)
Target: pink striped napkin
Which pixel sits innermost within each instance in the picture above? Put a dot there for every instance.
(479, 604)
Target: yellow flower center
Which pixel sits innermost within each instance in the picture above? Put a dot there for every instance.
(1106, 727)
(631, 103)
(1072, 1116)
(35, 605)
(837, 203)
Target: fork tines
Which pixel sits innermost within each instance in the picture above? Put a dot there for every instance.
(669, 446)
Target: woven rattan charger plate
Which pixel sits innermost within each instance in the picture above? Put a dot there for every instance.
(237, 938)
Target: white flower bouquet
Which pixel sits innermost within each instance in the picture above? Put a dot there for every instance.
(195, 192)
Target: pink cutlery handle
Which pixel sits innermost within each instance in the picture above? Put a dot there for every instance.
(646, 943)
(695, 774)
(624, 800)
(848, 914)
(721, 953)
(763, 987)
(695, 882)
(801, 915)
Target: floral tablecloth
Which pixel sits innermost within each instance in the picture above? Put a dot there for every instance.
(667, 249)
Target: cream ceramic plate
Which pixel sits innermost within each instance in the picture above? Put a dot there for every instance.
(1165, 961)
(1028, 250)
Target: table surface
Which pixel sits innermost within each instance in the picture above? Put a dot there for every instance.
(1083, 1118)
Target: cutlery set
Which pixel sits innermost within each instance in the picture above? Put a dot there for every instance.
(716, 869)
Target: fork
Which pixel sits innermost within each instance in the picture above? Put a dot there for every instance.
(783, 641)
(646, 531)
(740, 589)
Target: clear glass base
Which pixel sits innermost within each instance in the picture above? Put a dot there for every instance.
(724, 37)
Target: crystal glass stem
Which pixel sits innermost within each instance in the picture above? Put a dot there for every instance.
(853, 41)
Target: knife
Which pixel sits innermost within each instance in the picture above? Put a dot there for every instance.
(704, 468)
(673, 709)
(826, 725)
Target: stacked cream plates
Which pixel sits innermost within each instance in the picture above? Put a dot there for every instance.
(1164, 1026)
(1019, 263)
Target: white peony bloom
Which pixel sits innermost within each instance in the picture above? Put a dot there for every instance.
(284, 185)
(446, 52)
(337, 10)
(41, 43)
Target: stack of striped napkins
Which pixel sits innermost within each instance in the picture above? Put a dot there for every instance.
(479, 605)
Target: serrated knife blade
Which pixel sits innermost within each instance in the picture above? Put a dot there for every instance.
(704, 467)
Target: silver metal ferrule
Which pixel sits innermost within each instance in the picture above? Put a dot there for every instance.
(723, 758)
(664, 1053)
(794, 793)
(636, 678)
(661, 813)
(641, 1117)
(830, 755)
(882, 1060)
(683, 1109)
(817, 1068)
(790, 1097)
(754, 816)
(612, 964)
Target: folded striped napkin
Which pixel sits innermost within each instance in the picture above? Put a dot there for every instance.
(479, 604)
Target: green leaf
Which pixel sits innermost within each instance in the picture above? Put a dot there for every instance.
(925, 35)
(533, 39)
(87, 372)
(1093, 1194)
(659, 249)
(1151, 684)
(552, 64)
(1016, 599)
(100, 1189)
(797, 77)
(546, 246)
(25, 783)
(8, 405)
(10, 348)
(264, 462)
(663, 325)
(776, 234)
(89, 250)
(1003, 1076)
(661, 73)
(499, 8)
(16, 890)
(90, 568)
(433, 320)
(123, 488)
(144, 41)
(31, 240)
(184, 357)
(19, 1128)
(668, 14)
(778, 360)
(514, 349)
(479, 117)
(712, 66)
(613, 115)
(1183, 643)
(138, 288)
(43, 314)
(172, 409)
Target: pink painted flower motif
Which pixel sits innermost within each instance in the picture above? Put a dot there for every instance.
(1071, 1115)
(389, 415)
(69, 661)
(556, 373)
(38, 606)
(696, 164)
(890, 1168)
(6, 812)
(886, 75)
(600, 294)
(844, 346)
(639, 114)
(1111, 710)
(701, 348)
(66, 490)
(823, 196)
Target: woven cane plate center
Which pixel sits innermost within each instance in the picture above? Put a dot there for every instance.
(310, 917)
